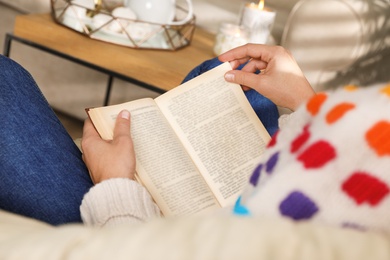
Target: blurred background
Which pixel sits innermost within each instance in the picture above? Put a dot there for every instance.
(335, 42)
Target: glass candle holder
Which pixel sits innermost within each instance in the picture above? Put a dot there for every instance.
(230, 36)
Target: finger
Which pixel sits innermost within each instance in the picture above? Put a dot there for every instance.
(248, 50)
(122, 124)
(261, 54)
(243, 78)
(254, 66)
(236, 63)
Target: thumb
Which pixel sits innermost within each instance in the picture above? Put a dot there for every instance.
(122, 124)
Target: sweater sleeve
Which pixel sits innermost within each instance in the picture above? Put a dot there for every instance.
(117, 201)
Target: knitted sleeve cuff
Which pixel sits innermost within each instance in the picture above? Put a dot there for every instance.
(283, 119)
(116, 201)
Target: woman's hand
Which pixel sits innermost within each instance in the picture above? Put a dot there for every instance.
(281, 80)
(109, 159)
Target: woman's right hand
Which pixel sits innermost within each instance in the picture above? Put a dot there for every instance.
(281, 80)
(109, 159)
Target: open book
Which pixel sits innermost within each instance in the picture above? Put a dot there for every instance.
(195, 145)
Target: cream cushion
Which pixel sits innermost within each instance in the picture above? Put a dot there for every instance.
(191, 238)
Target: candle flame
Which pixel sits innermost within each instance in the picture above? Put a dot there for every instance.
(261, 5)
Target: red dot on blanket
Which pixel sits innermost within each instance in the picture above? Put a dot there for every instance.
(317, 154)
(378, 138)
(300, 140)
(273, 140)
(363, 187)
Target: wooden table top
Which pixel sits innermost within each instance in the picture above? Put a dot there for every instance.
(159, 68)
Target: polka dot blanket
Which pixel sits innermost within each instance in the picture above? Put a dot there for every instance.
(329, 164)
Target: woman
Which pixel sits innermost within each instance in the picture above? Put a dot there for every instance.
(116, 173)
(44, 176)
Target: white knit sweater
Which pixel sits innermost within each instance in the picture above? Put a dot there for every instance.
(117, 201)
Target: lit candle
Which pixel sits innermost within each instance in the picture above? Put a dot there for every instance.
(259, 20)
(230, 36)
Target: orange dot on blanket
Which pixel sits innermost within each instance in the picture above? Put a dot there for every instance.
(378, 138)
(314, 104)
(351, 88)
(386, 90)
(338, 112)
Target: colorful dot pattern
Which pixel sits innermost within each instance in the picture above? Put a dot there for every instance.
(333, 167)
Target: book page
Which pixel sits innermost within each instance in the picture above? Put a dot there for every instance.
(219, 128)
(162, 164)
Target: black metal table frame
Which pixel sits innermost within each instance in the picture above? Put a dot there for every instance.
(111, 74)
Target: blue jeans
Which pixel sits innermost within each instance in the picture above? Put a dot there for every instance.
(42, 174)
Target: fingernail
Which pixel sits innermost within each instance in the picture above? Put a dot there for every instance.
(229, 76)
(125, 114)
